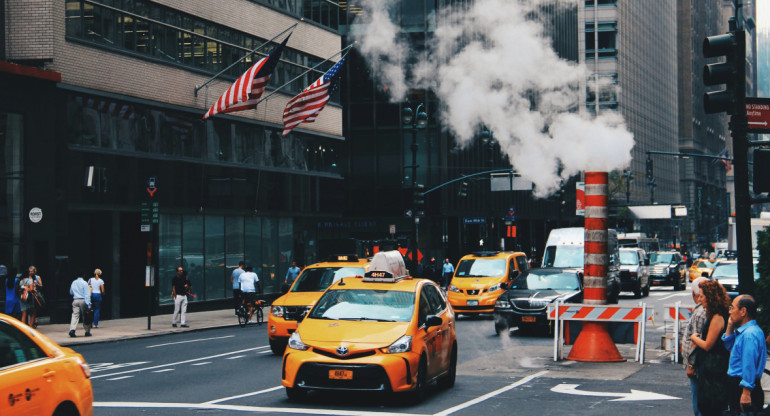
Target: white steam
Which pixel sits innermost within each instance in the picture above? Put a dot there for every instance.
(488, 65)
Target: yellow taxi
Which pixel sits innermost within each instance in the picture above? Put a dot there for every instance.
(382, 332)
(478, 279)
(700, 266)
(303, 294)
(38, 377)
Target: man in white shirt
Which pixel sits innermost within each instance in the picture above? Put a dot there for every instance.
(249, 281)
(237, 284)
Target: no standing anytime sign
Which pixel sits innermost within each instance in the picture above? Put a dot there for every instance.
(758, 113)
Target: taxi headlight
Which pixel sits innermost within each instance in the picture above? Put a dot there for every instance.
(502, 304)
(494, 288)
(277, 311)
(403, 344)
(454, 288)
(295, 342)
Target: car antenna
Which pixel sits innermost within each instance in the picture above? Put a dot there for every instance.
(342, 282)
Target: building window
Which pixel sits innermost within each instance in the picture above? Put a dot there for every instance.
(607, 40)
(173, 37)
(590, 3)
(607, 88)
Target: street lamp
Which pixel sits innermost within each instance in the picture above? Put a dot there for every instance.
(409, 120)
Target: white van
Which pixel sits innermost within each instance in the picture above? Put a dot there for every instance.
(565, 248)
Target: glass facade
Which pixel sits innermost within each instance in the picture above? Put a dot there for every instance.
(209, 247)
(160, 33)
(112, 125)
(11, 193)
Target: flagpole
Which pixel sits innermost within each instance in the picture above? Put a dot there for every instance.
(198, 87)
(303, 74)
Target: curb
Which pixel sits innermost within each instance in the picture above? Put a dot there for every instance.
(157, 334)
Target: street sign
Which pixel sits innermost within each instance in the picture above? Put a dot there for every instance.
(150, 213)
(758, 112)
(475, 220)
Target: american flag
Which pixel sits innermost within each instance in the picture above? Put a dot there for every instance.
(305, 107)
(726, 162)
(245, 92)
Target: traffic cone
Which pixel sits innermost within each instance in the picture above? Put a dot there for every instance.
(594, 344)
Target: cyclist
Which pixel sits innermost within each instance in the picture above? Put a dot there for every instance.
(249, 280)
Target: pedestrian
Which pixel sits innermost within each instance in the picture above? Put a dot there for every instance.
(12, 306)
(748, 355)
(447, 272)
(97, 293)
(180, 287)
(694, 326)
(249, 281)
(81, 304)
(237, 285)
(28, 307)
(291, 274)
(711, 356)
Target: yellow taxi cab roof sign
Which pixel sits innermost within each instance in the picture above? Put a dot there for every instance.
(342, 257)
(386, 266)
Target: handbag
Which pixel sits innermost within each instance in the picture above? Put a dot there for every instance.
(38, 298)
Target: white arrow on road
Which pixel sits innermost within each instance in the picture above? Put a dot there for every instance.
(635, 395)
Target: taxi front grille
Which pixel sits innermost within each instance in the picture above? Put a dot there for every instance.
(366, 377)
(292, 313)
(472, 292)
(346, 357)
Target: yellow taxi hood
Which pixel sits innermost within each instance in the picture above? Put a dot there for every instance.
(298, 299)
(476, 283)
(356, 335)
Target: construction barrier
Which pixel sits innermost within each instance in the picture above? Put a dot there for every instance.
(677, 314)
(597, 313)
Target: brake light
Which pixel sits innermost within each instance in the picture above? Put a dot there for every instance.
(84, 366)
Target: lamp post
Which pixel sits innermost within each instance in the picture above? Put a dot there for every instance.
(408, 119)
(488, 140)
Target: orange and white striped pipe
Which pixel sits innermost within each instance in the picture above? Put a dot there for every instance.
(596, 236)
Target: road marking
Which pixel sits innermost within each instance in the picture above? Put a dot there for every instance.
(254, 393)
(95, 368)
(203, 363)
(164, 370)
(477, 400)
(180, 362)
(634, 395)
(265, 352)
(185, 342)
(304, 411)
(119, 378)
(235, 358)
(676, 295)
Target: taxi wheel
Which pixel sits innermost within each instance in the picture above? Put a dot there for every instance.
(277, 346)
(448, 380)
(295, 393)
(418, 394)
(646, 290)
(66, 409)
(638, 290)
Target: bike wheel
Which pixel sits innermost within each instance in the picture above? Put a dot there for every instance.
(258, 315)
(243, 316)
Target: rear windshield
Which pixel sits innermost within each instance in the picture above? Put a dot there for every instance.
(629, 257)
(317, 279)
(481, 268)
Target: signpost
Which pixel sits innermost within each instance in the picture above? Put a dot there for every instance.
(149, 215)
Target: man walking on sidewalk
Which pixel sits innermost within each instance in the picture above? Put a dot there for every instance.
(180, 287)
(748, 355)
(81, 303)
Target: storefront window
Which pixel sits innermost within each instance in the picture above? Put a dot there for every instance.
(192, 253)
(253, 245)
(234, 248)
(11, 200)
(170, 254)
(215, 257)
(269, 260)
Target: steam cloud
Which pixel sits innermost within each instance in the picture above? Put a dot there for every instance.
(488, 65)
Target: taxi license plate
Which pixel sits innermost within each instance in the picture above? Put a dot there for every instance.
(473, 303)
(528, 319)
(341, 374)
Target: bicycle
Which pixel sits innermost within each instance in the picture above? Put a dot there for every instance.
(243, 312)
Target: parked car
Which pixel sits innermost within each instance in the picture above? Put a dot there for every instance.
(634, 271)
(667, 268)
(525, 301)
(700, 266)
(726, 273)
(38, 377)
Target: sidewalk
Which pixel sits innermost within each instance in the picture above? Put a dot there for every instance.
(130, 328)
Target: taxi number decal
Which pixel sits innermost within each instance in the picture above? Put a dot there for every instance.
(527, 319)
(341, 374)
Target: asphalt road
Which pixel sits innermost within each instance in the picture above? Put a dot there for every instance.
(230, 371)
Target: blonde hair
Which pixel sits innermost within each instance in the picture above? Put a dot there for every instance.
(97, 273)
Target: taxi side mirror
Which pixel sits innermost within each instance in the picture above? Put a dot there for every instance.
(504, 286)
(433, 320)
(513, 274)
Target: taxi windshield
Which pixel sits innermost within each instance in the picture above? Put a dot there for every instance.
(546, 281)
(481, 268)
(317, 279)
(365, 305)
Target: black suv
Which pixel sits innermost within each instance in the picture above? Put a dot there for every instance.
(667, 268)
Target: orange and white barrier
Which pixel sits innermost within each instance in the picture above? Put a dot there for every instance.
(677, 314)
(560, 312)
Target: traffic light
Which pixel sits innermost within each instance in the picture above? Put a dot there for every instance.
(650, 172)
(419, 196)
(731, 72)
(463, 189)
(761, 170)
